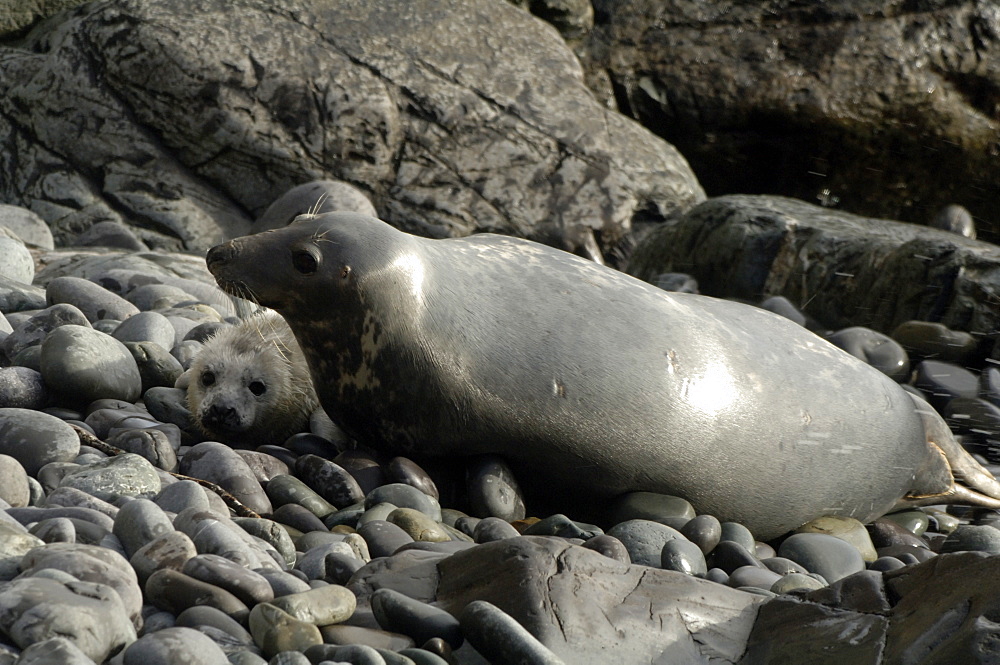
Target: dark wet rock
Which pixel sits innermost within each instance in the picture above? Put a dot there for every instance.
(888, 533)
(820, 553)
(684, 557)
(844, 266)
(35, 439)
(501, 638)
(703, 530)
(729, 555)
(670, 510)
(553, 150)
(401, 614)
(927, 339)
(610, 547)
(875, 348)
(564, 527)
(863, 591)
(298, 517)
(493, 490)
(84, 365)
(406, 471)
(329, 480)
(973, 538)
(383, 538)
(941, 382)
(490, 529)
(364, 467)
(943, 610)
(795, 99)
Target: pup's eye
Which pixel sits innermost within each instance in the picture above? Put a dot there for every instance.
(258, 388)
(207, 378)
(345, 272)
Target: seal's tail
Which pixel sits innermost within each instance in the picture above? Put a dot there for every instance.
(969, 482)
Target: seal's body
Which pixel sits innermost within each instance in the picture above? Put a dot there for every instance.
(583, 378)
(250, 384)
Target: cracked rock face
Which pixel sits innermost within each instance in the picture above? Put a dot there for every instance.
(580, 604)
(892, 108)
(188, 118)
(842, 269)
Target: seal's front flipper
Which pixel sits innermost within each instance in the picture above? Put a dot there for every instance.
(951, 475)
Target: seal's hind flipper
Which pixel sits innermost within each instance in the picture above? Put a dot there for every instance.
(953, 475)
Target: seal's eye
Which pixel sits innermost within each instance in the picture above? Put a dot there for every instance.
(345, 272)
(258, 388)
(207, 378)
(305, 261)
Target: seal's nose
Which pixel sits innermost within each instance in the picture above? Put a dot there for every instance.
(220, 255)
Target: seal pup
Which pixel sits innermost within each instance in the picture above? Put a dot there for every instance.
(250, 384)
(589, 382)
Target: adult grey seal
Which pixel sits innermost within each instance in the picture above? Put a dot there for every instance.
(250, 384)
(588, 381)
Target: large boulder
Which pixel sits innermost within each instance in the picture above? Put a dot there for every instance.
(580, 604)
(842, 269)
(892, 107)
(188, 118)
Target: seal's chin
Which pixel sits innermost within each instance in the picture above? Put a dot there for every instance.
(237, 288)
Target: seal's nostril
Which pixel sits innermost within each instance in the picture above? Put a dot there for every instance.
(220, 255)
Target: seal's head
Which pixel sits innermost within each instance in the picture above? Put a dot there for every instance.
(317, 256)
(250, 385)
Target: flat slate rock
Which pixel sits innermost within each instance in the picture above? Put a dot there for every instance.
(582, 605)
(841, 269)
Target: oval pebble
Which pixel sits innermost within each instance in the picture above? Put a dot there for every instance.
(14, 487)
(752, 576)
(491, 529)
(275, 630)
(365, 469)
(703, 530)
(84, 365)
(35, 439)
(173, 591)
(284, 489)
(663, 508)
(492, 489)
(406, 471)
(53, 651)
(122, 475)
(175, 645)
(562, 526)
(383, 538)
(404, 496)
(22, 388)
(878, 350)
(16, 262)
(220, 464)
(36, 328)
(249, 586)
(684, 557)
(796, 582)
(168, 550)
(737, 533)
(826, 555)
(418, 526)
(609, 546)
(500, 638)
(329, 480)
(729, 555)
(203, 615)
(157, 368)
(942, 382)
(324, 606)
(973, 538)
(146, 327)
(138, 522)
(935, 340)
(92, 299)
(398, 613)
(644, 540)
(847, 529)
